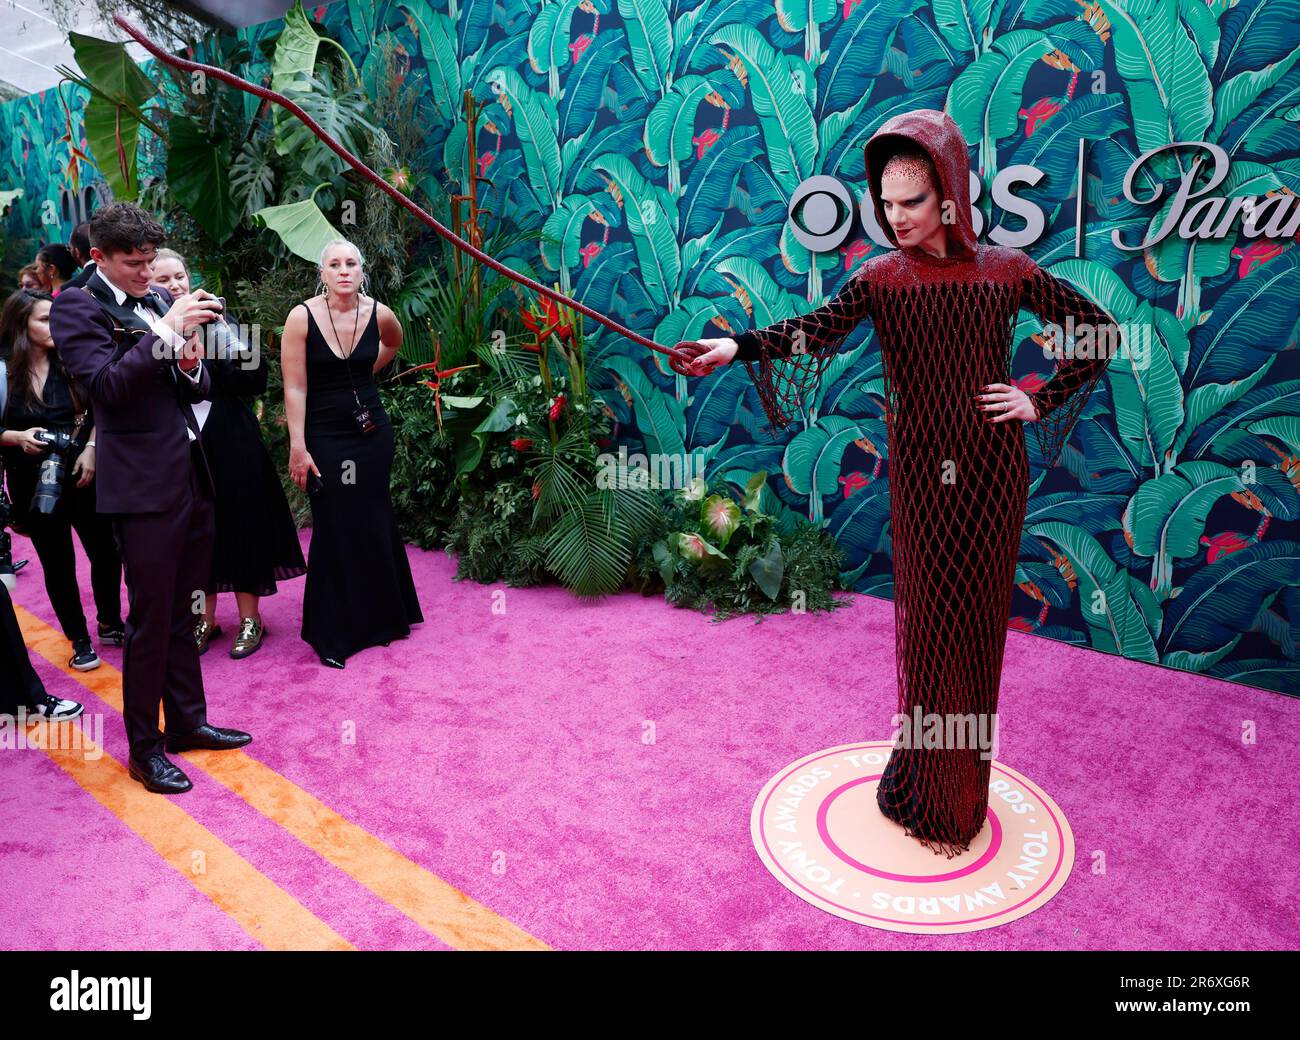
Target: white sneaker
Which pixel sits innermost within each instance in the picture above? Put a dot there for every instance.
(54, 709)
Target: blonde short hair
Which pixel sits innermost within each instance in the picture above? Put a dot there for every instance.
(340, 242)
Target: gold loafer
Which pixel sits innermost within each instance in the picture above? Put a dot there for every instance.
(251, 631)
(205, 631)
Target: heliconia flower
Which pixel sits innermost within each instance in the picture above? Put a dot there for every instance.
(555, 323)
(521, 443)
(1223, 544)
(547, 322)
(1257, 253)
(1030, 384)
(531, 321)
(1043, 108)
(556, 408)
(537, 488)
(855, 481)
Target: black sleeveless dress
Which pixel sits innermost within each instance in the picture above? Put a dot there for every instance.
(359, 591)
(256, 543)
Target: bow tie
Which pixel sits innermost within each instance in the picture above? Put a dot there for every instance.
(148, 299)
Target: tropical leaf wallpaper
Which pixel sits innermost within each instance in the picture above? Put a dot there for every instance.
(658, 144)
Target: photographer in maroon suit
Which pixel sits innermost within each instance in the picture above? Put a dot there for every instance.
(138, 353)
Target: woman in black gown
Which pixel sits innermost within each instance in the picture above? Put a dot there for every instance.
(359, 590)
(257, 542)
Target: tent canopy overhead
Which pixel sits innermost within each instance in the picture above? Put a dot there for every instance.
(32, 42)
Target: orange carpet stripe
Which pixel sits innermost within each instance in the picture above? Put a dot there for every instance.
(255, 903)
(432, 903)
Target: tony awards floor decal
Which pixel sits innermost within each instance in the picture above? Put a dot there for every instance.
(817, 828)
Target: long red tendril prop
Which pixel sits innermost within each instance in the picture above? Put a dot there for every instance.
(677, 356)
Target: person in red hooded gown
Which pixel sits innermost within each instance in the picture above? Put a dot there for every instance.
(944, 307)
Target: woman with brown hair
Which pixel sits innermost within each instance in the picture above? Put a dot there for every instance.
(47, 438)
(29, 277)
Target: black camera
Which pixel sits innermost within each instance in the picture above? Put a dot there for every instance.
(53, 467)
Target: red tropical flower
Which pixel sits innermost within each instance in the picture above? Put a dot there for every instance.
(547, 321)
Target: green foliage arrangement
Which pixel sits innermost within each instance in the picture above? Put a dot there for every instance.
(712, 553)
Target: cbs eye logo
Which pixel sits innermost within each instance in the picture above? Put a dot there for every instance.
(820, 214)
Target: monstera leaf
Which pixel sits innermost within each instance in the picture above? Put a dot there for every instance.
(291, 69)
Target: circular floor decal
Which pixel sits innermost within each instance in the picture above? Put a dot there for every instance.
(817, 828)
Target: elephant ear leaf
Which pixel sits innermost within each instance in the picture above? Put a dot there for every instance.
(114, 111)
(199, 177)
(302, 227)
(768, 570)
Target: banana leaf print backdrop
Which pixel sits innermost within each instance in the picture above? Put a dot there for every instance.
(658, 143)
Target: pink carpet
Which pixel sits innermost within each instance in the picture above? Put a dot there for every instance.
(508, 754)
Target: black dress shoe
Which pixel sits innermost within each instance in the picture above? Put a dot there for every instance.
(207, 738)
(158, 774)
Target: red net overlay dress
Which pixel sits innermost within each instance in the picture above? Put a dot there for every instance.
(958, 482)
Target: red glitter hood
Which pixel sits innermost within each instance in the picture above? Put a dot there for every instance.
(937, 135)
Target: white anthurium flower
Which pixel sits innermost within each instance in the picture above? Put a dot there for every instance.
(694, 491)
